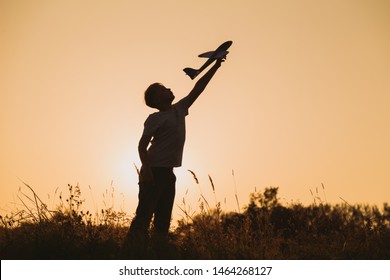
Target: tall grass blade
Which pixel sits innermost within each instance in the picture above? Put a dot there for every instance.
(194, 176)
(212, 183)
(136, 168)
(235, 192)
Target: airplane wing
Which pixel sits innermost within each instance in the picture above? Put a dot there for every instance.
(206, 54)
(210, 54)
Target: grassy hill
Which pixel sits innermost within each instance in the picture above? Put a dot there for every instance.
(265, 229)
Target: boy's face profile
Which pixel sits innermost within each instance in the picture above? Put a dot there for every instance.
(165, 95)
(159, 97)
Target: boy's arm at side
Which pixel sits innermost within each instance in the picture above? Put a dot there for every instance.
(202, 83)
(146, 171)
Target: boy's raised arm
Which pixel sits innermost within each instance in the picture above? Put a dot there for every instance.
(202, 83)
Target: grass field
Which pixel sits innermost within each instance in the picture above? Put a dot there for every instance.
(265, 229)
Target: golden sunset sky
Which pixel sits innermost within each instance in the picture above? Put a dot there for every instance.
(303, 98)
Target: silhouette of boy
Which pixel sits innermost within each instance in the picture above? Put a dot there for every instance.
(165, 131)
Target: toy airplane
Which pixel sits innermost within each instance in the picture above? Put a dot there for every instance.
(220, 52)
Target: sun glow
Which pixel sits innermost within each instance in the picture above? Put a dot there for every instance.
(301, 100)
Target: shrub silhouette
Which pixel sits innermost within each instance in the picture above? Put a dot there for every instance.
(268, 230)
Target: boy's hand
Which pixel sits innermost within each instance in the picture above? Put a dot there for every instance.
(220, 60)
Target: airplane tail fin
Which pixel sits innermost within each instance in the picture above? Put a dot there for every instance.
(191, 72)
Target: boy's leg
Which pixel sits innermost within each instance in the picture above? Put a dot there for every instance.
(137, 235)
(163, 211)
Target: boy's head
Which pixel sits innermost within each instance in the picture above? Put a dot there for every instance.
(158, 96)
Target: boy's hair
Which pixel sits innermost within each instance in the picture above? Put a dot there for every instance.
(150, 94)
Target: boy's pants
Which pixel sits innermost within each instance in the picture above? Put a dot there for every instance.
(154, 199)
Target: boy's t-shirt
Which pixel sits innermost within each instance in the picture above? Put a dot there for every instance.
(169, 133)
